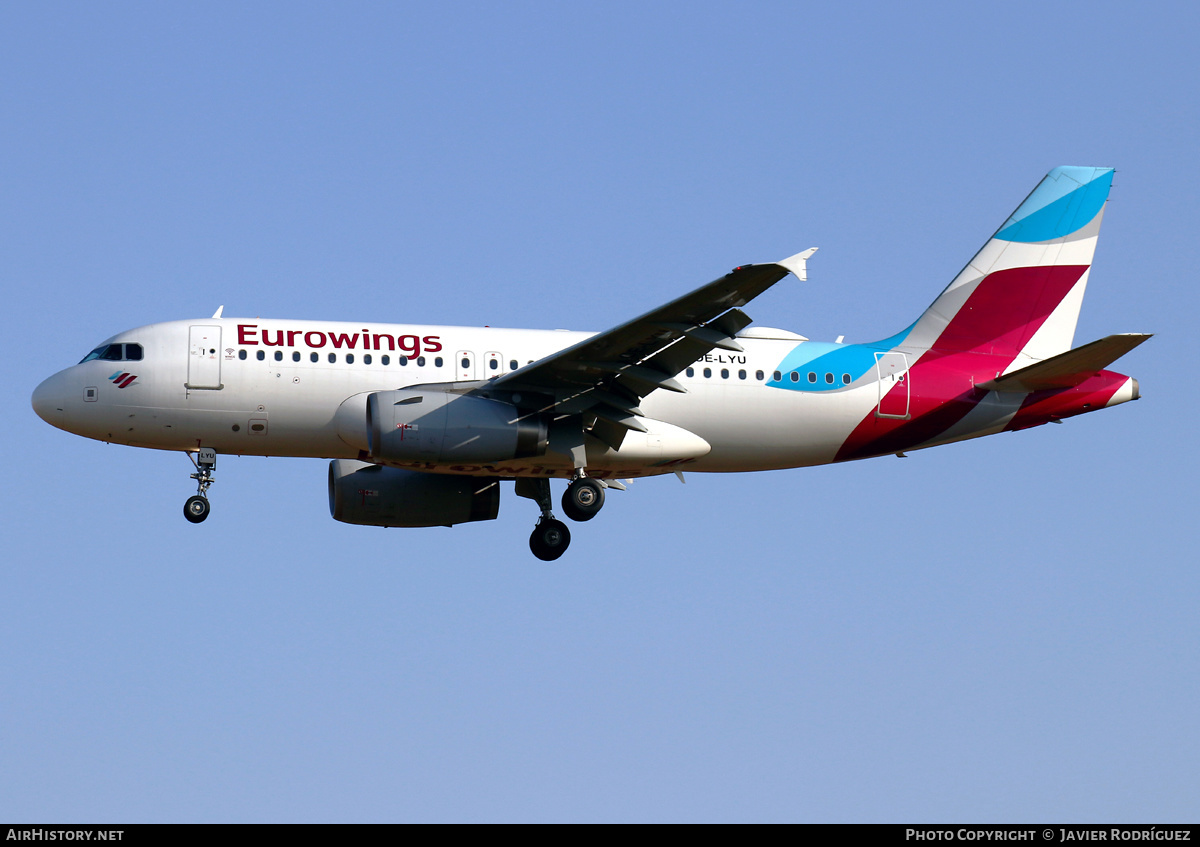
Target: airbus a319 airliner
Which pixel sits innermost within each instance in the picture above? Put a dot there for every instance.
(423, 423)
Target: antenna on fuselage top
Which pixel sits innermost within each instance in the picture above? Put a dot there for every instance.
(217, 313)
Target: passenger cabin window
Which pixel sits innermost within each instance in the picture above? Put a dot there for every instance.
(760, 376)
(437, 363)
(313, 357)
(420, 361)
(278, 355)
(296, 356)
(349, 358)
(332, 358)
(242, 355)
(260, 355)
(512, 366)
(778, 376)
(691, 371)
(385, 360)
(366, 358)
(845, 379)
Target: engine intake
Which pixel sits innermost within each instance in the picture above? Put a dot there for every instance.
(413, 424)
(374, 495)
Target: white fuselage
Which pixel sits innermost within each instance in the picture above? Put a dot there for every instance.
(298, 388)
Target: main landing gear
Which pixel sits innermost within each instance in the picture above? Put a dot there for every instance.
(582, 501)
(196, 508)
(550, 538)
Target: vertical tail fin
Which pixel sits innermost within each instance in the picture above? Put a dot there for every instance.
(1022, 292)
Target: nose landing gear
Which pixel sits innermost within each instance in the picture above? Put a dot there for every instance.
(196, 508)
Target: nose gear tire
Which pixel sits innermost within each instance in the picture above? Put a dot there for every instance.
(196, 508)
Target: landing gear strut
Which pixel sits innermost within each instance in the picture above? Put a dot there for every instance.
(196, 508)
(550, 538)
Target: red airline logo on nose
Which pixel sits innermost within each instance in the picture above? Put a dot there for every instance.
(122, 379)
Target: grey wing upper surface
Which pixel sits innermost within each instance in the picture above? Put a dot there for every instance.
(606, 376)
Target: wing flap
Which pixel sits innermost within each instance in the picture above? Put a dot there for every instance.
(638, 378)
(618, 418)
(708, 335)
(596, 397)
(608, 432)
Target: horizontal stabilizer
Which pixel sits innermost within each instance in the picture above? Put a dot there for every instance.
(1070, 368)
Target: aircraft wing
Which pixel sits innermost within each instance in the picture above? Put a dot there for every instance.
(608, 374)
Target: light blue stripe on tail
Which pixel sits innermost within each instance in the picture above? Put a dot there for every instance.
(1064, 202)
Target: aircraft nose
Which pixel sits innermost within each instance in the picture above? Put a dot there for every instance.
(49, 401)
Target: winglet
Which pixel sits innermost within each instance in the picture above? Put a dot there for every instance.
(218, 312)
(798, 264)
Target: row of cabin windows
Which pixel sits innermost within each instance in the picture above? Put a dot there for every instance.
(133, 353)
(759, 375)
(794, 376)
(349, 358)
(493, 364)
(115, 353)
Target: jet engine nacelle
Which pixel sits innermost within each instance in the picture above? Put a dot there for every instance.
(414, 424)
(374, 495)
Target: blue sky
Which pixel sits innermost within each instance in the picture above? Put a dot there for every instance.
(1004, 629)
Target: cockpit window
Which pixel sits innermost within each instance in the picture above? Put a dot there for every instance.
(115, 353)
